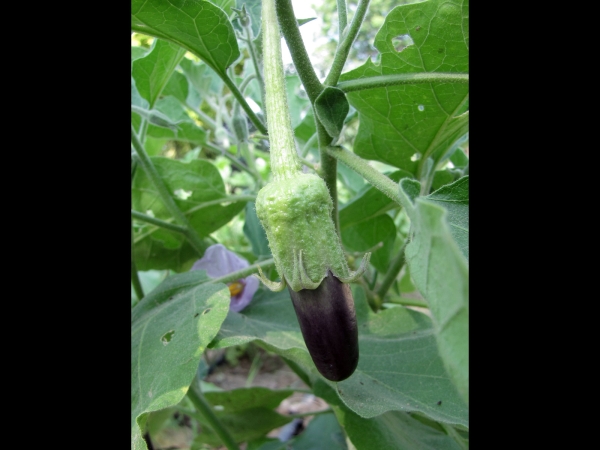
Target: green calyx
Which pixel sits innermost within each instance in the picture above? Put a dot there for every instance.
(296, 215)
(295, 208)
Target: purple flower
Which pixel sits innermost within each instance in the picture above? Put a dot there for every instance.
(217, 262)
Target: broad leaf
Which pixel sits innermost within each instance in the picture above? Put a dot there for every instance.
(244, 398)
(186, 130)
(198, 191)
(323, 431)
(393, 429)
(332, 108)
(363, 236)
(152, 72)
(247, 413)
(255, 233)
(201, 78)
(455, 199)
(399, 367)
(403, 125)
(196, 25)
(151, 254)
(170, 330)
(440, 271)
(369, 203)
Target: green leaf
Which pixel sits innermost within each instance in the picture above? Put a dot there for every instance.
(151, 254)
(399, 122)
(353, 181)
(136, 98)
(255, 233)
(170, 330)
(363, 236)
(323, 431)
(297, 105)
(439, 269)
(198, 26)
(178, 87)
(201, 78)
(152, 72)
(247, 413)
(332, 108)
(369, 203)
(393, 429)
(455, 199)
(200, 183)
(265, 443)
(459, 158)
(399, 367)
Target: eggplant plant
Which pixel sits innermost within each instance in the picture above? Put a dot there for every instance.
(344, 179)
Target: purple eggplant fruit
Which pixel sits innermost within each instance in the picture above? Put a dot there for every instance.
(328, 322)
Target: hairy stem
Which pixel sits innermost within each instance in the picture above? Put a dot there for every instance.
(164, 195)
(206, 411)
(293, 38)
(402, 78)
(328, 170)
(342, 18)
(341, 54)
(362, 167)
(284, 158)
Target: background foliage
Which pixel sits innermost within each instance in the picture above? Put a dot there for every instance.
(200, 154)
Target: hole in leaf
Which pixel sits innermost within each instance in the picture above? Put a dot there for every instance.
(421, 108)
(401, 42)
(166, 338)
(415, 157)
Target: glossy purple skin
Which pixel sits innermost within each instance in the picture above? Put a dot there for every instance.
(328, 322)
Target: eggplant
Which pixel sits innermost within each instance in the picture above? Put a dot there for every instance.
(328, 323)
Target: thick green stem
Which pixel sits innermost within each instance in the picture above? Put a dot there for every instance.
(293, 38)
(341, 54)
(402, 78)
(392, 273)
(206, 411)
(362, 167)
(284, 158)
(342, 18)
(163, 193)
(328, 170)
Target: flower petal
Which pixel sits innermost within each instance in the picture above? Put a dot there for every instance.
(217, 262)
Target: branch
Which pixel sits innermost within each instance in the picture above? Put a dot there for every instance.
(362, 167)
(341, 54)
(398, 79)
